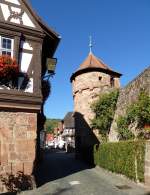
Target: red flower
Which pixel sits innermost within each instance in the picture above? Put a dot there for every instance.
(9, 69)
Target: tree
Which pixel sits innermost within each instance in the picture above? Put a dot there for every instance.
(104, 109)
(50, 124)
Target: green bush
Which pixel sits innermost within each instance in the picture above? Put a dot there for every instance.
(104, 109)
(137, 115)
(125, 157)
(123, 130)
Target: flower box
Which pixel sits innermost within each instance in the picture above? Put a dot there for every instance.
(9, 73)
(9, 70)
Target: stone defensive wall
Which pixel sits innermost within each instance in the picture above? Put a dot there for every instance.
(128, 95)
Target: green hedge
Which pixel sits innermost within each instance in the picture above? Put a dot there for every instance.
(125, 157)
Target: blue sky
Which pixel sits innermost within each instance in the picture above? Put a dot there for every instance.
(120, 30)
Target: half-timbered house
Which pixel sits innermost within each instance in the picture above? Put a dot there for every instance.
(25, 38)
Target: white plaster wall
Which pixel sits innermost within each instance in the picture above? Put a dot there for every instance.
(5, 11)
(26, 45)
(25, 18)
(27, 21)
(16, 9)
(15, 20)
(29, 88)
(25, 61)
(13, 1)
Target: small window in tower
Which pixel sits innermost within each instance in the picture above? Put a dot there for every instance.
(112, 82)
(99, 78)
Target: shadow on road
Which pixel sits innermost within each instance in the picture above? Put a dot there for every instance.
(9, 193)
(57, 164)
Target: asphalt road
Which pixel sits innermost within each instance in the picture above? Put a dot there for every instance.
(61, 174)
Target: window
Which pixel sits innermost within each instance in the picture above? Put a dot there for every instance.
(99, 78)
(112, 82)
(6, 46)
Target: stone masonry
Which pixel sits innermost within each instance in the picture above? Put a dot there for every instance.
(89, 81)
(128, 95)
(147, 164)
(17, 142)
(87, 88)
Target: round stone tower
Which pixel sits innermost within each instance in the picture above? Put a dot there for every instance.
(91, 79)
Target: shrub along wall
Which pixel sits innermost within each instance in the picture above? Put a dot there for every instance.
(126, 157)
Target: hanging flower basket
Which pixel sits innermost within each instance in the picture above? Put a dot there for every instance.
(9, 70)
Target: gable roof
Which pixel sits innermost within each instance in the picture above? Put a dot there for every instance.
(46, 29)
(19, 16)
(69, 121)
(92, 63)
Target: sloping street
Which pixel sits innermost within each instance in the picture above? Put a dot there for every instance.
(61, 174)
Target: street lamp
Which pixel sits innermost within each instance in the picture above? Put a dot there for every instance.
(51, 65)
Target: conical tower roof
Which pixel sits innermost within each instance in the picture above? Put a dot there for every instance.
(92, 63)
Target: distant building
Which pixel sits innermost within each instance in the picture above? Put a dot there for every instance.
(49, 139)
(69, 129)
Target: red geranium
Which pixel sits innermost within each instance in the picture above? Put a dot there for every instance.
(9, 69)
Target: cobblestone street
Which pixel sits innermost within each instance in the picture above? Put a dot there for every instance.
(62, 174)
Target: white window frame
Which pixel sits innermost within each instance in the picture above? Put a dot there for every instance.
(3, 49)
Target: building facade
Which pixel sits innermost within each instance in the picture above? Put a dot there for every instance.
(69, 131)
(26, 38)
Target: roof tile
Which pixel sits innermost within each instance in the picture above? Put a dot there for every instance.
(93, 62)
